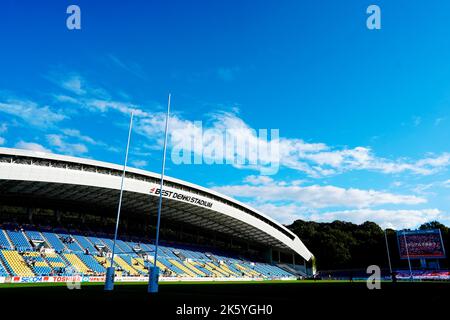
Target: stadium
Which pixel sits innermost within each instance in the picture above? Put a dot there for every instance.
(58, 215)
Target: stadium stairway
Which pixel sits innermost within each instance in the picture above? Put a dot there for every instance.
(16, 264)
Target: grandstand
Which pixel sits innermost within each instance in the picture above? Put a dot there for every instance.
(53, 259)
(57, 219)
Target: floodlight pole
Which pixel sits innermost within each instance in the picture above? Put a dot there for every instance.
(388, 253)
(153, 273)
(110, 272)
(407, 254)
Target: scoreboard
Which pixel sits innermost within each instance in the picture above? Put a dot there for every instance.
(420, 244)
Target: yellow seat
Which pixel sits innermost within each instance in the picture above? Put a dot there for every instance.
(125, 266)
(193, 268)
(77, 263)
(183, 268)
(225, 267)
(138, 264)
(247, 271)
(209, 268)
(17, 263)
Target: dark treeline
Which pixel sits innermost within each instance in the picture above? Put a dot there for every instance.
(344, 245)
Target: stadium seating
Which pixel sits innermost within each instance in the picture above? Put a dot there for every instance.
(91, 263)
(76, 263)
(85, 244)
(70, 242)
(55, 261)
(65, 253)
(125, 266)
(197, 270)
(3, 269)
(182, 268)
(4, 242)
(138, 264)
(37, 263)
(125, 247)
(15, 263)
(34, 235)
(19, 240)
(54, 241)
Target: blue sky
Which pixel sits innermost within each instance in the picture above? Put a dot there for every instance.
(363, 115)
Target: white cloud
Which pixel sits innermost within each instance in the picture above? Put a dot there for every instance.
(74, 84)
(2, 141)
(31, 112)
(32, 146)
(395, 219)
(257, 180)
(315, 159)
(316, 196)
(61, 145)
(139, 163)
(77, 134)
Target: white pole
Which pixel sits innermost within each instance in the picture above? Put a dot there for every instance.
(162, 181)
(121, 190)
(407, 254)
(388, 253)
(153, 278)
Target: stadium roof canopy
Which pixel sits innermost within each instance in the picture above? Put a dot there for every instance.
(85, 183)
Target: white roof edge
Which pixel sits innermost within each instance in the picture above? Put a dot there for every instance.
(108, 165)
